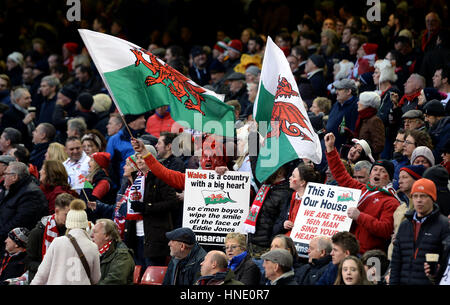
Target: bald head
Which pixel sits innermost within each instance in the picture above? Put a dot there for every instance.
(215, 261)
(432, 22)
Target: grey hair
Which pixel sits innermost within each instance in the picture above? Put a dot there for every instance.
(52, 81)
(324, 243)
(78, 124)
(17, 94)
(420, 79)
(362, 164)
(19, 168)
(110, 229)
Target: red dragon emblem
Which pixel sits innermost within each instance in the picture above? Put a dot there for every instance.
(179, 85)
(288, 115)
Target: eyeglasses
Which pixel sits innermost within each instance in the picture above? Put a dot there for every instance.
(409, 143)
(9, 173)
(398, 141)
(232, 247)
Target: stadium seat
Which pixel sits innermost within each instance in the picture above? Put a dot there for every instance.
(154, 275)
(137, 274)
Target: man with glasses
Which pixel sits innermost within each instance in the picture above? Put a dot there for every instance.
(24, 203)
(413, 119)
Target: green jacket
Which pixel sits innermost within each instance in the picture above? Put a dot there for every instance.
(117, 265)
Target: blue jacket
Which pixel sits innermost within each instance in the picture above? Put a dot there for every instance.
(350, 110)
(329, 275)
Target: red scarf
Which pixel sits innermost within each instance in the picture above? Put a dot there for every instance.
(408, 97)
(105, 248)
(426, 39)
(50, 233)
(363, 114)
(250, 222)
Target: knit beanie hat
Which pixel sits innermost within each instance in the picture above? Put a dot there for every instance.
(438, 174)
(425, 186)
(434, 107)
(102, 158)
(423, 151)
(86, 100)
(318, 60)
(415, 171)
(235, 45)
(370, 99)
(388, 166)
(131, 117)
(69, 91)
(19, 236)
(370, 48)
(72, 47)
(133, 162)
(77, 217)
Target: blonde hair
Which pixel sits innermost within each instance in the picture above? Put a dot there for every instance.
(57, 152)
(240, 238)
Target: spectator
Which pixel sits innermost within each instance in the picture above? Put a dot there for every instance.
(440, 176)
(21, 154)
(86, 81)
(314, 70)
(45, 231)
(429, 94)
(119, 146)
(308, 40)
(361, 171)
(373, 222)
(9, 137)
(101, 107)
(301, 176)
(369, 126)
(441, 82)
(92, 142)
(408, 175)
(343, 244)
(14, 65)
(54, 269)
(186, 254)
(49, 89)
(24, 203)
(199, 72)
(422, 155)
(429, 35)
(318, 259)
(43, 135)
(5, 89)
(4, 162)
(160, 121)
(69, 50)
(343, 112)
(232, 56)
(77, 164)
(115, 124)
(83, 106)
(116, 260)
(56, 151)
(281, 241)
(64, 110)
(240, 261)
(410, 246)
(366, 57)
(376, 264)
(278, 267)
(19, 117)
(12, 264)
(351, 272)
(53, 180)
(414, 120)
(237, 89)
(214, 270)
(101, 185)
(76, 127)
(410, 99)
(439, 126)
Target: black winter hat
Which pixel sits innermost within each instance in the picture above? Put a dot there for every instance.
(86, 100)
(438, 174)
(317, 60)
(434, 107)
(388, 166)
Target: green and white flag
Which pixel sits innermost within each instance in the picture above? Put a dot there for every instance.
(290, 134)
(138, 82)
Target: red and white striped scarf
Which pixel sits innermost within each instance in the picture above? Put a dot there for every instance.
(105, 248)
(50, 233)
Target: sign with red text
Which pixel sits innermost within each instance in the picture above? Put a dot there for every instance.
(323, 212)
(215, 205)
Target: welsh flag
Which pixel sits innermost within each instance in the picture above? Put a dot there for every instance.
(289, 135)
(138, 82)
(216, 196)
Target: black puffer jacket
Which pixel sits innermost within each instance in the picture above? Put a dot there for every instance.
(268, 223)
(310, 273)
(408, 257)
(23, 206)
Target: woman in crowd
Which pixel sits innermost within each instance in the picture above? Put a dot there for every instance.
(93, 142)
(100, 185)
(300, 177)
(56, 151)
(54, 181)
(351, 272)
(240, 261)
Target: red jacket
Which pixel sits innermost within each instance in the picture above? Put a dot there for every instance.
(51, 192)
(172, 178)
(375, 224)
(155, 124)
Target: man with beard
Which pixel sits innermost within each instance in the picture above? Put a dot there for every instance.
(373, 218)
(47, 229)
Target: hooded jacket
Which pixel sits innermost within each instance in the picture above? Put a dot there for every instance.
(408, 257)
